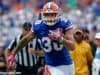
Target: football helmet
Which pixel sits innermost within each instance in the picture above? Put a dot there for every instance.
(50, 13)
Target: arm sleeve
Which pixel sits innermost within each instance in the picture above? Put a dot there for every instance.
(32, 28)
(67, 24)
(36, 26)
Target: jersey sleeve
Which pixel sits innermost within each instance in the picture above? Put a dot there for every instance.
(36, 26)
(67, 24)
(32, 29)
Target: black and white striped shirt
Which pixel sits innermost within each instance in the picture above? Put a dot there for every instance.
(23, 57)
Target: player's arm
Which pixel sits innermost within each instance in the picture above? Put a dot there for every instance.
(24, 41)
(68, 39)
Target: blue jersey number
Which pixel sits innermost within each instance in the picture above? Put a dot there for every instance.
(49, 46)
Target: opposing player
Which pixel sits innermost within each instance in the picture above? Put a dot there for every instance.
(56, 38)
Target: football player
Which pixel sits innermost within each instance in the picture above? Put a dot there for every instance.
(55, 35)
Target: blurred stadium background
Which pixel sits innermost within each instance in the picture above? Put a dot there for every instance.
(13, 13)
(84, 14)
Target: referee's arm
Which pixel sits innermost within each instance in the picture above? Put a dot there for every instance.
(10, 48)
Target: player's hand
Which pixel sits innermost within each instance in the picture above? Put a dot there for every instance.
(56, 35)
(11, 61)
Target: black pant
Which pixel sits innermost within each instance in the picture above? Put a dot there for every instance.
(26, 70)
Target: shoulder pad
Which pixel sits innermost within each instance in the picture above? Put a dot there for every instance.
(64, 19)
(38, 22)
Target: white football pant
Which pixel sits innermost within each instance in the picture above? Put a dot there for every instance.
(59, 70)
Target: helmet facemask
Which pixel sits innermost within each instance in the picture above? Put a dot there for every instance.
(50, 18)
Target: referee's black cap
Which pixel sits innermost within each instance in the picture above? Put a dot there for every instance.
(27, 25)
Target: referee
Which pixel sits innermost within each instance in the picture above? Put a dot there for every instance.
(25, 62)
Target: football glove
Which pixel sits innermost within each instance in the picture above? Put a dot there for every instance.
(56, 35)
